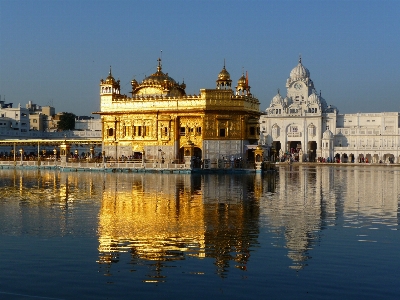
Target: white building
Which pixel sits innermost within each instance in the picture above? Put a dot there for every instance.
(14, 119)
(302, 127)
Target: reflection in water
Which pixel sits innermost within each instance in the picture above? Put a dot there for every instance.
(160, 219)
(47, 203)
(310, 198)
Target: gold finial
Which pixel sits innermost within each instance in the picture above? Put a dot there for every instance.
(159, 64)
(299, 58)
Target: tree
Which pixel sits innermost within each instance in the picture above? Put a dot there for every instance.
(66, 122)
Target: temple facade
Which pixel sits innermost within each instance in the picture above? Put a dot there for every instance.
(161, 123)
(302, 127)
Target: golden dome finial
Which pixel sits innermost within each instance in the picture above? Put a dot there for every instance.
(159, 65)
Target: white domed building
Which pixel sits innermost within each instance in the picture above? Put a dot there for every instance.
(302, 127)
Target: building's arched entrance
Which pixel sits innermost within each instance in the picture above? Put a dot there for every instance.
(197, 154)
(351, 158)
(312, 151)
(337, 158)
(276, 147)
(197, 157)
(388, 158)
(345, 158)
(294, 148)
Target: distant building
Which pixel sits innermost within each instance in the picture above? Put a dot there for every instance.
(40, 117)
(302, 126)
(14, 119)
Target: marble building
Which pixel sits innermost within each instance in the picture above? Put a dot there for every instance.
(302, 127)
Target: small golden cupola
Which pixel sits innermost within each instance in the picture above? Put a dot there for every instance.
(110, 85)
(243, 87)
(134, 84)
(224, 81)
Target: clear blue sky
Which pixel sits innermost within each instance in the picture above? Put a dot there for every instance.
(56, 52)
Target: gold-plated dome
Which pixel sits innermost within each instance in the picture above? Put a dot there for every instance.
(110, 79)
(158, 78)
(242, 81)
(224, 79)
(224, 75)
(158, 83)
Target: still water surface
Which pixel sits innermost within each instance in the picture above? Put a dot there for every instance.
(307, 232)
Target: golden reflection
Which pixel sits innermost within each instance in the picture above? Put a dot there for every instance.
(160, 217)
(155, 216)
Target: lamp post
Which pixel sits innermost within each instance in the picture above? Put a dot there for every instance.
(55, 156)
(21, 152)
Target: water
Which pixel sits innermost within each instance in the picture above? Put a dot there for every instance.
(308, 232)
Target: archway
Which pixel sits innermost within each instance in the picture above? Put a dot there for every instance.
(388, 158)
(294, 148)
(337, 158)
(351, 157)
(345, 158)
(197, 157)
(276, 147)
(312, 151)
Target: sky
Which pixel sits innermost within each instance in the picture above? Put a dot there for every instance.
(55, 52)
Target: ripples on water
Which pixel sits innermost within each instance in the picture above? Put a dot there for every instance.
(256, 232)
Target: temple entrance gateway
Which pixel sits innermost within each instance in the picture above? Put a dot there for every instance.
(312, 151)
(294, 148)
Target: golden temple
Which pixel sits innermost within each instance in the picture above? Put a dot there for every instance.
(160, 122)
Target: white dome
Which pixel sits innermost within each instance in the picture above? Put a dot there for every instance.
(313, 98)
(299, 72)
(277, 99)
(327, 135)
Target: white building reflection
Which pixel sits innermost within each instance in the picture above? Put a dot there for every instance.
(309, 199)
